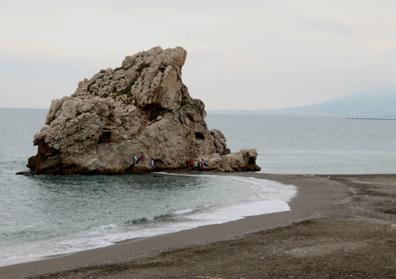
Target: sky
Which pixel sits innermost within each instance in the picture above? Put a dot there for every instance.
(243, 54)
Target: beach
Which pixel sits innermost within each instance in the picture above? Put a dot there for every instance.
(339, 226)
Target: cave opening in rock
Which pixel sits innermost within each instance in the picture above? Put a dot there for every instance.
(105, 136)
(155, 110)
(199, 135)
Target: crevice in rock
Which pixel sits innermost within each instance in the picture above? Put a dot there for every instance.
(105, 136)
(162, 68)
(141, 67)
(45, 150)
(199, 136)
(155, 110)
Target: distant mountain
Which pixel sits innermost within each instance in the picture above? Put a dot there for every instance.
(375, 104)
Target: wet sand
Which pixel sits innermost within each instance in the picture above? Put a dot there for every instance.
(338, 227)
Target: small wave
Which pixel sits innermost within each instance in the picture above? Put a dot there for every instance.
(146, 220)
(164, 217)
(184, 211)
(108, 227)
(137, 221)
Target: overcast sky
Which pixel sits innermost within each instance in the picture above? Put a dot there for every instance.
(241, 54)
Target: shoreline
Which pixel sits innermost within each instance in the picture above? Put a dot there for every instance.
(315, 196)
(184, 219)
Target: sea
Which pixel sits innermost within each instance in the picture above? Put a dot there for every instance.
(43, 216)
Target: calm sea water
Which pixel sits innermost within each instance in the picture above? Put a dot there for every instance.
(312, 145)
(48, 215)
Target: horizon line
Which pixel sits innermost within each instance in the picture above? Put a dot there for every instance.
(211, 109)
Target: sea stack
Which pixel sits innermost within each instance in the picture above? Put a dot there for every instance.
(136, 118)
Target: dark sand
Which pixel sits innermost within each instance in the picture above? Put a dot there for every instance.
(339, 227)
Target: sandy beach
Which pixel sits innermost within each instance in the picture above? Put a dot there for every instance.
(338, 227)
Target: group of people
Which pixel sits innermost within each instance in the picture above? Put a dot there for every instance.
(191, 164)
(197, 164)
(137, 159)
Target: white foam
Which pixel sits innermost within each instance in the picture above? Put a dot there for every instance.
(240, 211)
(184, 211)
(272, 197)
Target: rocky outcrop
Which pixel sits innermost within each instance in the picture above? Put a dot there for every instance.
(135, 118)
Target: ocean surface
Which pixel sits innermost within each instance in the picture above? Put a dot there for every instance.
(312, 144)
(49, 215)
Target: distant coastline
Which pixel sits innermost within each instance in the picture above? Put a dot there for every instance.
(372, 118)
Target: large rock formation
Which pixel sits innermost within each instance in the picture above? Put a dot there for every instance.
(140, 108)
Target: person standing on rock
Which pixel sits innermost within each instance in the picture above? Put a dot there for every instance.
(141, 158)
(191, 164)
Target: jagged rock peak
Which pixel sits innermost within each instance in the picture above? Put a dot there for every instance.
(147, 78)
